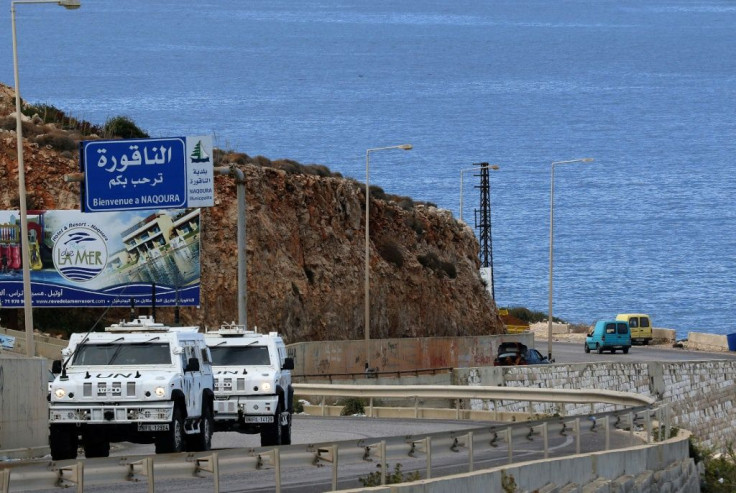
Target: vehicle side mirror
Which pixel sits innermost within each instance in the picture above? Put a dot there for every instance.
(288, 364)
(192, 365)
(56, 366)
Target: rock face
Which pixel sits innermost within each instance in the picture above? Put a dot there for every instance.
(305, 252)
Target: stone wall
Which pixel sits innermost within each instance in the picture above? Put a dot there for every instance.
(702, 394)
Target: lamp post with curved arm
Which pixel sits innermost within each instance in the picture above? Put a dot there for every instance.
(551, 244)
(367, 320)
(24, 248)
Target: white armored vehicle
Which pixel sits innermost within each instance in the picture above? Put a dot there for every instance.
(137, 381)
(253, 392)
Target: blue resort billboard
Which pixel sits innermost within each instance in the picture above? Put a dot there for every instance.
(103, 259)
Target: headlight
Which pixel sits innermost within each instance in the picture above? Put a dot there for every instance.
(160, 391)
(266, 386)
(59, 393)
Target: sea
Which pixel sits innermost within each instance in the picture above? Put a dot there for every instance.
(646, 88)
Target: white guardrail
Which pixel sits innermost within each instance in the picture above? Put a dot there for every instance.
(636, 411)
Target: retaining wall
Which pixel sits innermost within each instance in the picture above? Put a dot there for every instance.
(334, 357)
(702, 394)
(24, 425)
(48, 347)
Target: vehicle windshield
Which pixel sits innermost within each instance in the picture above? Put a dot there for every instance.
(144, 353)
(239, 355)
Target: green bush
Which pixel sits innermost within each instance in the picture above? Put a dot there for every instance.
(720, 472)
(124, 128)
(374, 478)
(530, 316)
(351, 406)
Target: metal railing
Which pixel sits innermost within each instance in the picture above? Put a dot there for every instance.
(330, 377)
(216, 466)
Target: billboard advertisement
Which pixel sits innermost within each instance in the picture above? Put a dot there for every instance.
(102, 259)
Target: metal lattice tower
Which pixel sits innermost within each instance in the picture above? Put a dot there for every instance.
(483, 222)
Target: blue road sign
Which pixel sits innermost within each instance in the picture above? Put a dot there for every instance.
(134, 174)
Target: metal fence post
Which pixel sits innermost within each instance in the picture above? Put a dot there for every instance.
(608, 432)
(546, 439)
(210, 464)
(77, 476)
(577, 435)
(508, 440)
(5, 480)
(146, 470)
(330, 455)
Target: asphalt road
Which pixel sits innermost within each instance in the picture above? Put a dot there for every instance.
(353, 432)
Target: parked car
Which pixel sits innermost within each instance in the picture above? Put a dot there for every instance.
(640, 326)
(608, 335)
(516, 353)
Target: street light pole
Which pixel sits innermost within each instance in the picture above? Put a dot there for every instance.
(492, 166)
(24, 248)
(367, 319)
(551, 245)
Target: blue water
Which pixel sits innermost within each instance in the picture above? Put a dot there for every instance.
(647, 88)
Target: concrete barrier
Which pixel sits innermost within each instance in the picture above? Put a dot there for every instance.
(24, 426)
(707, 342)
(48, 347)
(664, 336)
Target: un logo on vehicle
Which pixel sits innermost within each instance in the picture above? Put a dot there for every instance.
(80, 254)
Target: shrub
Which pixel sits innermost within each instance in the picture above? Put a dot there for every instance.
(317, 169)
(58, 140)
(532, 317)
(391, 253)
(123, 127)
(405, 203)
(415, 224)
(351, 406)
(377, 192)
(431, 261)
(374, 478)
(719, 474)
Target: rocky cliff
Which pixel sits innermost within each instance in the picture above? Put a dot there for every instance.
(305, 247)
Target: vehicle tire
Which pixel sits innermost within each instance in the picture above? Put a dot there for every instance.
(626, 350)
(646, 342)
(286, 432)
(613, 350)
(587, 348)
(202, 441)
(271, 433)
(63, 442)
(599, 348)
(173, 440)
(95, 446)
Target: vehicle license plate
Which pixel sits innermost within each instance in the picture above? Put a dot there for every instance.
(153, 427)
(258, 419)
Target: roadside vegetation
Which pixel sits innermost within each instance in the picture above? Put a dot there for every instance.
(718, 473)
